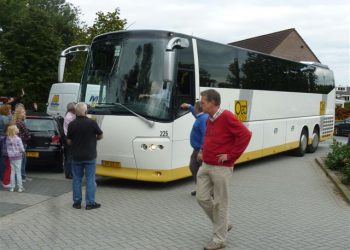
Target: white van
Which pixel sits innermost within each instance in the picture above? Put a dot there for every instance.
(63, 93)
(60, 95)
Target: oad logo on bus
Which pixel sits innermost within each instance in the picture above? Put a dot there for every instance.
(241, 110)
(322, 107)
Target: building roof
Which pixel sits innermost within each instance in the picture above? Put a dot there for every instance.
(270, 42)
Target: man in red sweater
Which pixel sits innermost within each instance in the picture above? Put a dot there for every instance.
(225, 140)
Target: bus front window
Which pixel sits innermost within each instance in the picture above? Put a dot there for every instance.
(129, 71)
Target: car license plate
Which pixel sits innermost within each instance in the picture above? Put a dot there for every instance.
(32, 154)
(113, 164)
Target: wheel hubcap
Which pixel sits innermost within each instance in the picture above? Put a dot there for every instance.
(315, 140)
(303, 142)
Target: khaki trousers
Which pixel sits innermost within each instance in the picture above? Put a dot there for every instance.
(212, 195)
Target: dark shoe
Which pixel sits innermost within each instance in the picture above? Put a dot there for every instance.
(229, 227)
(213, 246)
(193, 193)
(69, 177)
(77, 205)
(93, 206)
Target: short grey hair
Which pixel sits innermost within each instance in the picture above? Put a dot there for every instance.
(71, 106)
(81, 108)
(212, 96)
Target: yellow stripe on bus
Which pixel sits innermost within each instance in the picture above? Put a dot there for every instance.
(158, 175)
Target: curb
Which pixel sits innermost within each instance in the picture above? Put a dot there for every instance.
(341, 187)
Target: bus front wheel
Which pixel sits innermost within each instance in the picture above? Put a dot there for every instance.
(300, 151)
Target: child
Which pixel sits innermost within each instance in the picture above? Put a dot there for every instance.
(15, 151)
(7, 171)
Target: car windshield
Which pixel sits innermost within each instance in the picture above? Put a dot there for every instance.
(40, 124)
(128, 71)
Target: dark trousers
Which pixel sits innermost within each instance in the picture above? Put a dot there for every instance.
(68, 161)
(194, 164)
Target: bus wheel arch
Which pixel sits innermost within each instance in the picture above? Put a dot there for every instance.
(311, 148)
(303, 140)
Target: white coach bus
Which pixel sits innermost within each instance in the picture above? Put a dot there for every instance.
(144, 76)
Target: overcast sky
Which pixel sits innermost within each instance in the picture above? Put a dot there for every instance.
(323, 24)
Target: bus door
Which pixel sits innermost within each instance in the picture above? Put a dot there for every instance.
(183, 122)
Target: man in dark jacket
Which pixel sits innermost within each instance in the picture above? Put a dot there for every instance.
(82, 135)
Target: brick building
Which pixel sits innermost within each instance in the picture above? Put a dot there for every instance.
(286, 44)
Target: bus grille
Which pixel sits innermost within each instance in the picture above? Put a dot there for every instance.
(327, 126)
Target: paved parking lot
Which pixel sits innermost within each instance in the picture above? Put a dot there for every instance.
(280, 202)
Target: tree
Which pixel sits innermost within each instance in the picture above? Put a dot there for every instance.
(106, 23)
(34, 33)
(103, 23)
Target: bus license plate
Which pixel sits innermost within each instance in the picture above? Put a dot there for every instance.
(32, 154)
(112, 164)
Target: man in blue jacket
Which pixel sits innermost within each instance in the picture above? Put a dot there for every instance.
(197, 136)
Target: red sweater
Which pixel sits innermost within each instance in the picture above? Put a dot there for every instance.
(225, 135)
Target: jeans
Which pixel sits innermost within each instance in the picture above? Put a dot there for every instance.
(24, 163)
(78, 169)
(16, 174)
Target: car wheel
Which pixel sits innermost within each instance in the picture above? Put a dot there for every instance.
(315, 141)
(300, 151)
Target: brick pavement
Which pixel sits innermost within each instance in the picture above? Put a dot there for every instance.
(281, 202)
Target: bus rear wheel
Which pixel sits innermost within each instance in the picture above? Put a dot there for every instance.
(315, 141)
(300, 151)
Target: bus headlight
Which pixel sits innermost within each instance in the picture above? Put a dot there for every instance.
(151, 147)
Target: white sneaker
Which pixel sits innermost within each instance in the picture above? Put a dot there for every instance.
(20, 190)
(11, 189)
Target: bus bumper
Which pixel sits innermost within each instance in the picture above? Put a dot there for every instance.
(150, 175)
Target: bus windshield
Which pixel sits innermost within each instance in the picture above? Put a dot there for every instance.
(128, 71)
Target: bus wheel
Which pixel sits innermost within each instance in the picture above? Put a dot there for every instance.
(315, 141)
(300, 151)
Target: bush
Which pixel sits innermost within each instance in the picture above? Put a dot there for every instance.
(341, 113)
(339, 159)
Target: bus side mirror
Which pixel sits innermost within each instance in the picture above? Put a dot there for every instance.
(169, 57)
(61, 65)
(169, 66)
(63, 58)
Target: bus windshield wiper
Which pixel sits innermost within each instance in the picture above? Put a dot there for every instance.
(150, 123)
(111, 105)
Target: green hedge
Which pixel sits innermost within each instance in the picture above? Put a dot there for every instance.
(339, 159)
